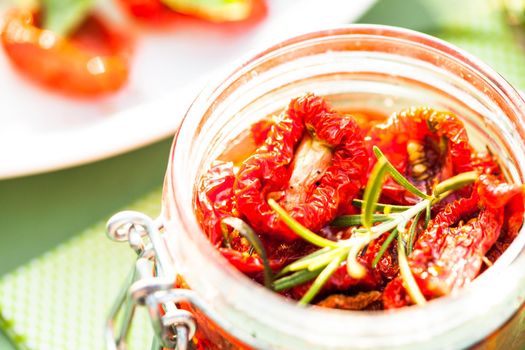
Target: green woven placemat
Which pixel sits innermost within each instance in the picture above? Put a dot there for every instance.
(477, 26)
(61, 300)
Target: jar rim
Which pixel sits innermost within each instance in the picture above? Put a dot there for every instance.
(472, 300)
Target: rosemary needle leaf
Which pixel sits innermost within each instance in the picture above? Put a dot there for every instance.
(299, 229)
(292, 267)
(247, 232)
(408, 279)
(399, 178)
(372, 191)
(294, 279)
(428, 215)
(455, 182)
(412, 233)
(357, 220)
(354, 268)
(322, 259)
(392, 208)
(384, 247)
(321, 280)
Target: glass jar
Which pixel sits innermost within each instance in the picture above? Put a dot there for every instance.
(357, 67)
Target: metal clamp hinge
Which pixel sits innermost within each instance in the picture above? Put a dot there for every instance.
(151, 284)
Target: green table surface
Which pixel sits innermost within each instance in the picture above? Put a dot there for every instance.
(38, 212)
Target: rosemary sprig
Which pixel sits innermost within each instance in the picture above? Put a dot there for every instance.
(385, 208)
(321, 280)
(357, 220)
(384, 247)
(291, 268)
(247, 232)
(316, 262)
(295, 279)
(455, 183)
(396, 175)
(299, 229)
(373, 190)
(406, 274)
(428, 215)
(412, 232)
(324, 262)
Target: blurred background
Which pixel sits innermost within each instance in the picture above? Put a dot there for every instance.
(91, 94)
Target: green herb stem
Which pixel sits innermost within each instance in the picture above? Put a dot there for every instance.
(316, 260)
(400, 218)
(356, 220)
(63, 17)
(353, 266)
(247, 232)
(386, 208)
(373, 190)
(384, 247)
(398, 177)
(319, 263)
(295, 279)
(406, 274)
(412, 233)
(299, 229)
(455, 182)
(291, 267)
(428, 215)
(321, 280)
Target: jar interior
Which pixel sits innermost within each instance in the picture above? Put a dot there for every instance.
(380, 71)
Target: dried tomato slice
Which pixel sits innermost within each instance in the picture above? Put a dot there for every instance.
(315, 198)
(448, 254)
(425, 145)
(92, 62)
(214, 199)
(361, 301)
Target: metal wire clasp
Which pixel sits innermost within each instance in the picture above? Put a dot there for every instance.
(150, 284)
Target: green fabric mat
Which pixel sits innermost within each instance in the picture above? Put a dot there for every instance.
(60, 300)
(477, 26)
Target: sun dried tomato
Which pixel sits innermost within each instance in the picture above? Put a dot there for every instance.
(361, 301)
(214, 199)
(319, 195)
(259, 131)
(425, 145)
(313, 162)
(495, 193)
(512, 222)
(243, 261)
(448, 255)
(93, 61)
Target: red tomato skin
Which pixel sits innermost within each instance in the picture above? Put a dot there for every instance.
(93, 62)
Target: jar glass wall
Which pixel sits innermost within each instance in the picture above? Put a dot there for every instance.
(374, 68)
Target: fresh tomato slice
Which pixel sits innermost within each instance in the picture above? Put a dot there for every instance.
(94, 61)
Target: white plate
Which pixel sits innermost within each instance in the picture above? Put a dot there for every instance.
(40, 131)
